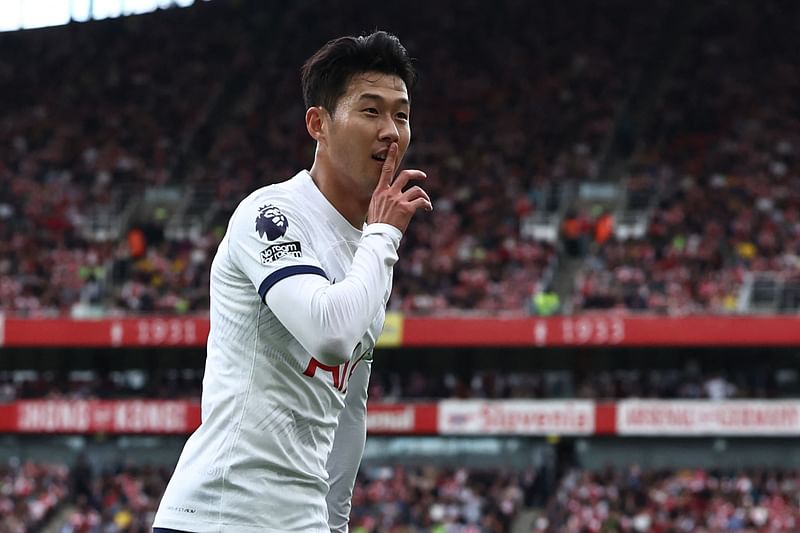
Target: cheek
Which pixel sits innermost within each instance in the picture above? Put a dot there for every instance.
(354, 145)
(405, 140)
(340, 142)
(405, 133)
(346, 149)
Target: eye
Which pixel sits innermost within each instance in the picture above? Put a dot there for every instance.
(402, 116)
(371, 111)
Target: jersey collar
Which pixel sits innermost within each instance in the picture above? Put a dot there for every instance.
(333, 215)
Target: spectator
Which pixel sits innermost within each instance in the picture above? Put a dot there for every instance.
(546, 302)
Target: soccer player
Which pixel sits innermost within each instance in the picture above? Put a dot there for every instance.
(299, 287)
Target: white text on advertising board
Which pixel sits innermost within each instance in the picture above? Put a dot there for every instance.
(54, 416)
(391, 421)
(516, 417)
(712, 418)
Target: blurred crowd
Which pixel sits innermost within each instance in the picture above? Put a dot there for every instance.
(519, 106)
(404, 499)
(164, 383)
(689, 382)
(29, 493)
(439, 499)
(123, 498)
(92, 116)
(606, 384)
(104, 118)
(717, 173)
(658, 501)
(119, 499)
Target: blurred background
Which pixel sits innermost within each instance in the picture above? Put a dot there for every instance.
(596, 330)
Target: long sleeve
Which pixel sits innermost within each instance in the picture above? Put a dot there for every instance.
(348, 447)
(328, 319)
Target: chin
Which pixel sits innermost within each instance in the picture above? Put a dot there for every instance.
(371, 177)
(369, 185)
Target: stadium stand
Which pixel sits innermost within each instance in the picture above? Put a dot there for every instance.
(629, 159)
(171, 155)
(124, 499)
(688, 382)
(161, 156)
(431, 498)
(91, 130)
(715, 175)
(636, 499)
(29, 493)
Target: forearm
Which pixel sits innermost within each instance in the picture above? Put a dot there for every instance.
(348, 447)
(329, 319)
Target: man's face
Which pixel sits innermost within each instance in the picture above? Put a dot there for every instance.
(373, 113)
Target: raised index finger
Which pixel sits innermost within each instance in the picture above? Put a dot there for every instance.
(389, 166)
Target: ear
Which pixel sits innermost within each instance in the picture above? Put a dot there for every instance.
(315, 123)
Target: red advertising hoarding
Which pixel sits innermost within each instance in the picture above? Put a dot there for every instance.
(582, 330)
(96, 416)
(663, 418)
(172, 417)
(402, 419)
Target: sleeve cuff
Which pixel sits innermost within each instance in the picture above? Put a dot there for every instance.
(379, 228)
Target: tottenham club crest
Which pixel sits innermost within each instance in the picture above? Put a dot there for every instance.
(272, 222)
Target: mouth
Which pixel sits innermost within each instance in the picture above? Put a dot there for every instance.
(380, 155)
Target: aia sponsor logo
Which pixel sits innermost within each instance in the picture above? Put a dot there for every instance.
(339, 374)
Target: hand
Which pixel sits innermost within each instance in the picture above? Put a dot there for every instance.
(389, 204)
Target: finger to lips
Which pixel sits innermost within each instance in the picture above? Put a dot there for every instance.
(388, 166)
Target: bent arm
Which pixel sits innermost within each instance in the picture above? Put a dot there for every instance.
(329, 319)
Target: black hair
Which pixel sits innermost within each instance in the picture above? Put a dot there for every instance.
(325, 75)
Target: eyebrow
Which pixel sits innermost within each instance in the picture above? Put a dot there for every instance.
(371, 96)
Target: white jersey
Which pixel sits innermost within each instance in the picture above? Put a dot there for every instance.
(271, 407)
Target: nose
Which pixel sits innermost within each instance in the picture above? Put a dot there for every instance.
(388, 131)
